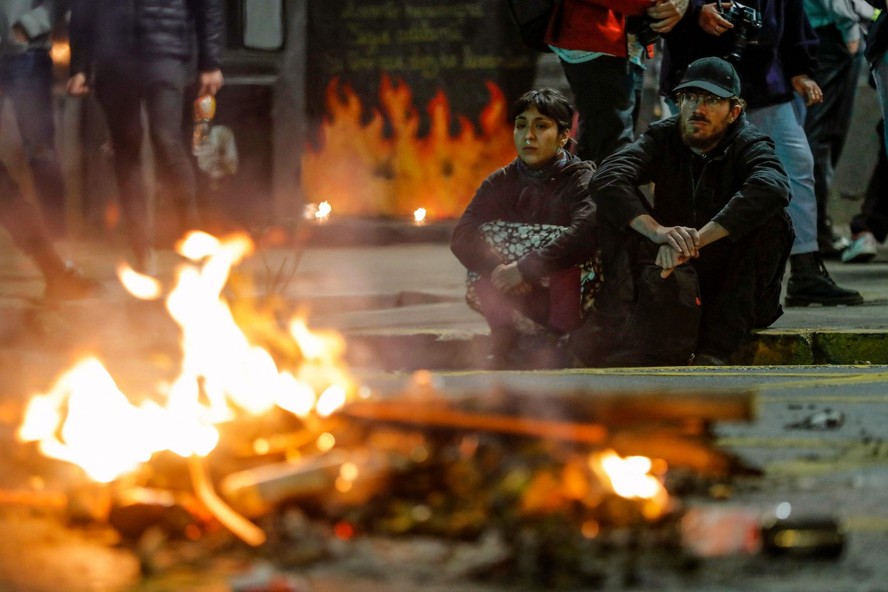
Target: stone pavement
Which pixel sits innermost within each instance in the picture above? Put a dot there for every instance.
(396, 292)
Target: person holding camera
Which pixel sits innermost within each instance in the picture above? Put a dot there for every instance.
(773, 49)
(602, 46)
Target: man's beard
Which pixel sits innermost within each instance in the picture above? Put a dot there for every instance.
(699, 142)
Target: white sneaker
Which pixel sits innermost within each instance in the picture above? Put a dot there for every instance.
(863, 247)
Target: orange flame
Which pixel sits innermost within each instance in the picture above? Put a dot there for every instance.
(633, 477)
(85, 419)
(363, 171)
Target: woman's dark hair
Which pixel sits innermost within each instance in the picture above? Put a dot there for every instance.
(548, 102)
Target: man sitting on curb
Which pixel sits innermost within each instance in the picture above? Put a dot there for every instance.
(717, 217)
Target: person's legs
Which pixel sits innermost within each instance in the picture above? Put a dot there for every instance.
(27, 82)
(740, 284)
(880, 75)
(809, 282)
(780, 123)
(604, 91)
(565, 307)
(164, 100)
(827, 123)
(119, 91)
(24, 223)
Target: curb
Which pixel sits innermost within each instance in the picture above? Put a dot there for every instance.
(451, 350)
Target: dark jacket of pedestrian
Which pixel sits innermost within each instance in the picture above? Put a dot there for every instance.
(104, 31)
(785, 47)
(738, 185)
(515, 193)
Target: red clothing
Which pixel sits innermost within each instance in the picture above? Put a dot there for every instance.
(594, 26)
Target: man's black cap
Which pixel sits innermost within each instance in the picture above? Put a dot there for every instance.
(713, 75)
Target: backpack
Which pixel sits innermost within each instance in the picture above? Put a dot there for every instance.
(532, 17)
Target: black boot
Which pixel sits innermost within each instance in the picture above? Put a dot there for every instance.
(809, 283)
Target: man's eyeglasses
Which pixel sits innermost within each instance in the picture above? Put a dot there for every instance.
(700, 98)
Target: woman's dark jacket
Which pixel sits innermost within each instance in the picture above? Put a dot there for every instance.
(739, 184)
(785, 47)
(106, 31)
(511, 194)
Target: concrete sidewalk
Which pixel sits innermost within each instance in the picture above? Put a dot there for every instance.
(398, 298)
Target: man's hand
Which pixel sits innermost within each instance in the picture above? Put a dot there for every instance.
(712, 21)
(668, 259)
(681, 239)
(508, 279)
(210, 82)
(77, 86)
(19, 33)
(808, 89)
(666, 14)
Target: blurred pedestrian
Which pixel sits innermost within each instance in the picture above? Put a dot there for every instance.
(26, 80)
(837, 72)
(141, 53)
(24, 223)
(527, 231)
(777, 65)
(602, 48)
(869, 228)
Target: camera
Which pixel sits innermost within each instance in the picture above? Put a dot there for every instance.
(747, 23)
(640, 26)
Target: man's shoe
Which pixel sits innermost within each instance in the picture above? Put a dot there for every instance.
(863, 248)
(809, 283)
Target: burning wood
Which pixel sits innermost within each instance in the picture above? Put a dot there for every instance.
(282, 425)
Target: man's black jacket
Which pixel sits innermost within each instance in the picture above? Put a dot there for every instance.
(106, 31)
(739, 184)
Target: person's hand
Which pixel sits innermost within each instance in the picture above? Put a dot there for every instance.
(853, 47)
(19, 33)
(808, 89)
(77, 86)
(681, 239)
(666, 14)
(712, 21)
(508, 279)
(210, 82)
(668, 259)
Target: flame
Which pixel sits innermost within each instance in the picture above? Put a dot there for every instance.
(85, 419)
(419, 215)
(633, 477)
(383, 166)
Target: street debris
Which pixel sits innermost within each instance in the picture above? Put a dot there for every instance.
(827, 419)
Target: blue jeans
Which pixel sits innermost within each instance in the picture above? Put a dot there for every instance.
(783, 124)
(26, 80)
(880, 74)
